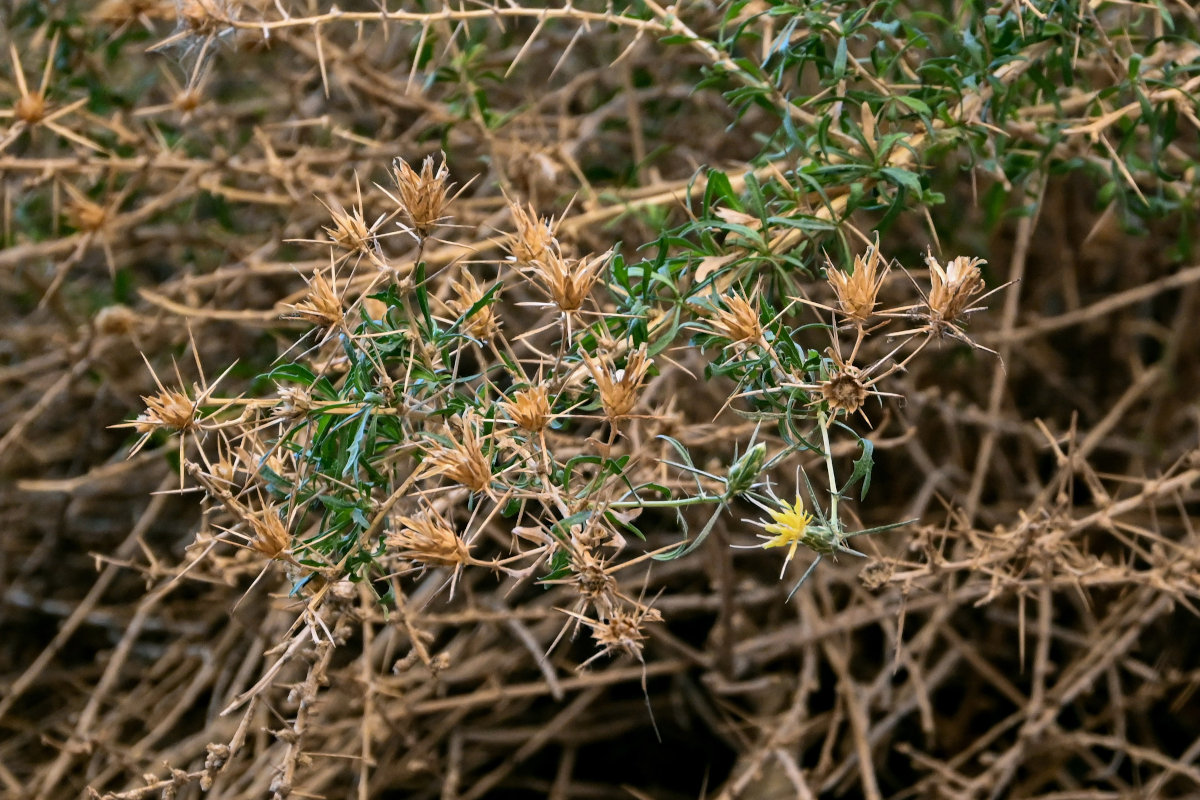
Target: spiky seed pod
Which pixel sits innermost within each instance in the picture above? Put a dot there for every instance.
(322, 306)
(566, 281)
(349, 230)
(424, 195)
(529, 408)
(171, 409)
(857, 291)
(534, 238)
(483, 324)
(738, 321)
(271, 536)
(953, 287)
(619, 388)
(595, 586)
(622, 631)
(462, 460)
(845, 390)
(428, 540)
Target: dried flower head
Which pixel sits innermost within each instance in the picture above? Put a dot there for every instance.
(566, 281)
(116, 320)
(294, 403)
(529, 408)
(738, 321)
(423, 195)
(857, 291)
(952, 288)
(622, 631)
(534, 238)
(483, 324)
(85, 214)
(596, 585)
(462, 460)
(619, 388)
(427, 539)
(349, 230)
(271, 536)
(845, 390)
(321, 306)
(171, 409)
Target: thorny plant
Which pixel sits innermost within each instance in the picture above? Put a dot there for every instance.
(481, 387)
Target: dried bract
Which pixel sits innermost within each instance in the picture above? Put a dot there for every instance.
(567, 281)
(462, 460)
(857, 292)
(483, 324)
(619, 388)
(738, 321)
(427, 539)
(529, 408)
(322, 306)
(953, 287)
(423, 195)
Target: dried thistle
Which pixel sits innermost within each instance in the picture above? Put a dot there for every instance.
(534, 239)
(952, 288)
(529, 408)
(846, 389)
(567, 282)
(619, 388)
(271, 536)
(738, 321)
(349, 230)
(423, 196)
(115, 320)
(857, 291)
(483, 324)
(621, 632)
(462, 460)
(295, 402)
(427, 539)
(596, 585)
(321, 306)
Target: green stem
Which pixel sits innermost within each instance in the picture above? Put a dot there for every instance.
(834, 493)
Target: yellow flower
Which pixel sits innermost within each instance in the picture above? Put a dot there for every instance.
(790, 528)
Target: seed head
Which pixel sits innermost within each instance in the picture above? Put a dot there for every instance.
(595, 585)
(116, 320)
(271, 536)
(622, 631)
(427, 539)
(529, 408)
(619, 388)
(349, 230)
(462, 459)
(534, 238)
(845, 390)
(321, 306)
(857, 291)
(294, 403)
(170, 408)
(566, 281)
(85, 214)
(953, 287)
(483, 324)
(738, 321)
(31, 108)
(423, 196)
